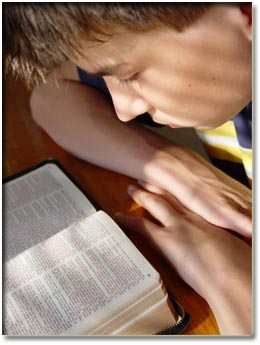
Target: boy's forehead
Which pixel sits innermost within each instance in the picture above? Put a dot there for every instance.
(102, 66)
(107, 58)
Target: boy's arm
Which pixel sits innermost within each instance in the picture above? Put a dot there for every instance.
(82, 120)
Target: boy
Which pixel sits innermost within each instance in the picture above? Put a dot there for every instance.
(198, 74)
(185, 65)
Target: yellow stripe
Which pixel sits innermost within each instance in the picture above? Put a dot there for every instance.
(224, 152)
(234, 154)
(227, 129)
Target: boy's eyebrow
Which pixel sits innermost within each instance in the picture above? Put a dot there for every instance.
(107, 70)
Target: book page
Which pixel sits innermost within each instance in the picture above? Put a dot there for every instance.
(71, 281)
(37, 205)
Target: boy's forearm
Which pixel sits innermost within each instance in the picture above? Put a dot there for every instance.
(82, 121)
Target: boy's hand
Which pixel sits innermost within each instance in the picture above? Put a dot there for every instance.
(211, 260)
(202, 188)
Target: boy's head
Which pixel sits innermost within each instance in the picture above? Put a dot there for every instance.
(185, 64)
(39, 37)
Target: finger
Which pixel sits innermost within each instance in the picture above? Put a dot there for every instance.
(155, 204)
(151, 187)
(229, 218)
(241, 223)
(169, 197)
(244, 219)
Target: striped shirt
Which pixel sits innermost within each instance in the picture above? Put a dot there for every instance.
(232, 142)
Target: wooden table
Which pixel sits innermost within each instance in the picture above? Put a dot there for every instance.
(25, 145)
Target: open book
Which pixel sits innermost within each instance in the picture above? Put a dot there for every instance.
(70, 270)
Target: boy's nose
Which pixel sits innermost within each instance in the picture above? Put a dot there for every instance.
(131, 109)
(128, 103)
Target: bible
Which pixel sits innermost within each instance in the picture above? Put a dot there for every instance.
(68, 269)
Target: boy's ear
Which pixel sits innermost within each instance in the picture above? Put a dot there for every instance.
(246, 9)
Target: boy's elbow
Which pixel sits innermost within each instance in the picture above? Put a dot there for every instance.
(36, 100)
(36, 105)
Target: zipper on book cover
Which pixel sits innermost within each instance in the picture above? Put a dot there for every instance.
(181, 324)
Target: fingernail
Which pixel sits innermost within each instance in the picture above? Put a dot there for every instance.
(131, 188)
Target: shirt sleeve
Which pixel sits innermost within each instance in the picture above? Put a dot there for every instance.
(95, 82)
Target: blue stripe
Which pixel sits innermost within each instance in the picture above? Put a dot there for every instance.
(243, 126)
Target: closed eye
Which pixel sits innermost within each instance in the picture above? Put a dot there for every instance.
(128, 81)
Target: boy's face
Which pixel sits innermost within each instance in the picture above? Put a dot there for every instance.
(198, 78)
